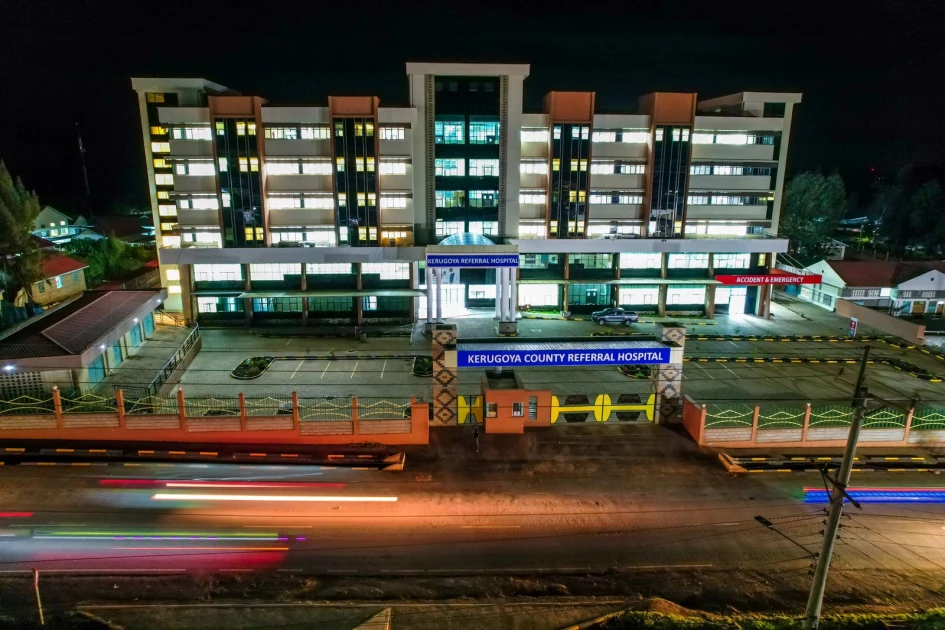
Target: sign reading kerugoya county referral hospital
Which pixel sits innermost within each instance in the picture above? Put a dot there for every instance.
(472, 260)
(770, 279)
(525, 358)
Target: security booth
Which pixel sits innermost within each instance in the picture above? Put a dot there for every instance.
(508, 407)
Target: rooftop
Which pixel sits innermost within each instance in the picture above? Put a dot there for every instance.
(58, 264)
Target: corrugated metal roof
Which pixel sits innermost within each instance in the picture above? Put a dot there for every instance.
(559, 345)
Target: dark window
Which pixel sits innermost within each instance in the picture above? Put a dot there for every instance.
(774, 110)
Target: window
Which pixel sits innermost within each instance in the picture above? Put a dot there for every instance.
(518, 409)
(314, 133)
(387, 271)
(534, 167)
(680, 135)
(557, 132)
(393, 167)
(163, 180)
(58, 282)
(191, 133)
(697, 200)
(604, 136)
(577, 195)
(273, 271)
(241, 128)
(688, 261)
(538, 294)
(75, 277)
(369, 303)
(685, 294)
(393, 133)
(449, 131)
(172, 274)
(492, 410)
(172, 241)
(482, 291)
(445, 228)
(290, 167)
(533, 407)
(700, 169)
(635, 136)
(617, 196)
(281, 133)
(483, 198)
(727, 200)
(731, 261)
(534, 135)
(593, 261)
(163, 194)
(159, 163)
(633, 169)
(579, 132)
(251, 128)
(532, 197)
(393, 201)
(160, 147)
(340, 164)
(250, 234)
(277, 305)
(244, 165)
(359, 164)
(556, 165)
(727, 170)
(342, 199)
(254, 164)
(226, 199)
(638, 295)
(166, 210)
(41, 286)
(216, 273)
(483, 168)
(168, 227)
(450, 199)
(221, 129)
(367, 199)
(154, 97)
(481, 132)
(363, 129)
(339, 129)
(195, 167)
(641, 261)
(328, 268)
(207, 202)
(483, 227)
(577, 165)
(602, 168)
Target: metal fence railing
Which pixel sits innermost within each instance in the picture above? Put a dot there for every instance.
(198, 406)
(145, 405)
(269, 405)
(383, 408)
(825, 416)
(781, 417)
(88, 402)
(728, 416)
(27, 406)
(928, 418)
(325, 409)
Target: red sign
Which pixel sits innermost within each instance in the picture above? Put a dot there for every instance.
(770, 279)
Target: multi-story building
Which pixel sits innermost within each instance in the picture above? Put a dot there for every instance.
(268, 213)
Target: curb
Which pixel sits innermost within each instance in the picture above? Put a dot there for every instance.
(897, 364)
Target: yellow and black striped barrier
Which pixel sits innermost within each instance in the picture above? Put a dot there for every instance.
(897, 364)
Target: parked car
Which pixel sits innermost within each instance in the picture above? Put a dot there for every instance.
(615, 316)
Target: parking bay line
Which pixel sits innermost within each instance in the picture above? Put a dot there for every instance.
(327, 364)
(383, 368)
(355, 369)
(297, 369)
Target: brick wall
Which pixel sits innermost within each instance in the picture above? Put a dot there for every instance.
(831, 433)
(28, 422)
(283, 423)
(213, 424)
(326, 428)
(51, 294)
(882, 435)
(931, 438)
(152, 422)
(90, 421)
(373, 427)
(728, 435)
(779, 435)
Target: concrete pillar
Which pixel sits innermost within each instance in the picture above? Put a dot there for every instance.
(359, 301)
(710, 301)
(498, 294)
(247, 302)
(661, 303)
(186, 290)
(429, 273)
(564, 297)
(445, 377)
(303, 283)
(667, 377)
(439, 296)
(504, 314)
(513, 292)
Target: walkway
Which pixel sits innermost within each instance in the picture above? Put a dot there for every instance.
(141, 368)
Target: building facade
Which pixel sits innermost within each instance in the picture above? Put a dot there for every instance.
(267, 213)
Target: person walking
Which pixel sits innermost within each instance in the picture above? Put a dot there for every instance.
(476, 437)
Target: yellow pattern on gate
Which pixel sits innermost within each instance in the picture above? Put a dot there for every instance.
(469, 405)
(603, 407)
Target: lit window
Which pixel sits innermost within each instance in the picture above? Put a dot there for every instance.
(328, 269)
(370, 165)
(172, 274)
(634, 137)
(339, 129)
(154, 97)
(641, 261)
(449, 131)
(532, 197)
(483, 198)
(362, 198)
(244, 165)
(450, 167)
(731, 138)
(444, 228)
(556, 164)
(633, 169)
(577, 196)
(481, 132)
(163, 194)
(222, 163)
(342, 199)
(162, 179)
(251, 128)
(616, 197)
(226, 199)
(167, 210)
(174, 288)
(172, 241)
(557, 132)
(254, 164)
(393, 201)
(602, 168)
(316, 167)
(534, 135)
(160, 147)
(194, 167)
(282, 167)
(160, 163)
(659, 135)
(359, 164)
(727, 170)
(577, 165)
(314, 133)
(483, 168)
(534, 167)
(604, 136)
(232, 272)
(191, 133)
(698, 200)
(340, 164)
(240, 128)
(450, 199)
(158, 131)
(168, 227)
(387, 271)
(688, 261)
(58, 282)
(281, 133)
(393, 167)
(731, 261)
(483, 227)
(221, 128)
(700, 169)
(393, 133)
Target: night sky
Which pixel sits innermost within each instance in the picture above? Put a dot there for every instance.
(872, 73)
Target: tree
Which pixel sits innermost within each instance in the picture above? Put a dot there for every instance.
(107, 257)
(21, 257)
(813, 206)
(890, 208)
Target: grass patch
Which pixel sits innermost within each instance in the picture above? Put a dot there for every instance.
(648, 620)
(251, 367)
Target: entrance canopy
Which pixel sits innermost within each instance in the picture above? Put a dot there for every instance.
(560, 353)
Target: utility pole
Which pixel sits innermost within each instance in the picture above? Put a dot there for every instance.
(816, 600)
(85, 172)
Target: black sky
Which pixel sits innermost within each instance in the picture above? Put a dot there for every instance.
(872, 72)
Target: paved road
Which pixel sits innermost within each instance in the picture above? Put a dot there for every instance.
(565, 500)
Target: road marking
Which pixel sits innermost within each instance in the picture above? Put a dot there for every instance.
(327, 363)
(297, 369)
(278, 526)
(287, 342)
(383, 368)
(355, 369)
(663, 566)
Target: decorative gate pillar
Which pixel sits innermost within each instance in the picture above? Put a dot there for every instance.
(667, 377)
(445, 375)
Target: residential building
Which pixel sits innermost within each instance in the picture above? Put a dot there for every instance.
(63, 278)
(56, 226)
(270, 214)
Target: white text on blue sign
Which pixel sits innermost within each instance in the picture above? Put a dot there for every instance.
(491, 358)
(472, 260)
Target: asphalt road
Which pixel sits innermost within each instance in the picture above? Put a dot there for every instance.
(500, 516)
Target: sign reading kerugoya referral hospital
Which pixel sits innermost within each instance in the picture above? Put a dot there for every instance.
(472, 260)
(526, 358)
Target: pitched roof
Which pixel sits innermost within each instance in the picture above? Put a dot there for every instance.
(73, 328)
(57, 264)
(42, 243)
(122, 226)
(881, 273)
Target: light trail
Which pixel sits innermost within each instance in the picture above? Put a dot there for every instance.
(295, 498)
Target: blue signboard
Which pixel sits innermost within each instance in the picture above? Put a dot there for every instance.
(529, 358)
(472, 260)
